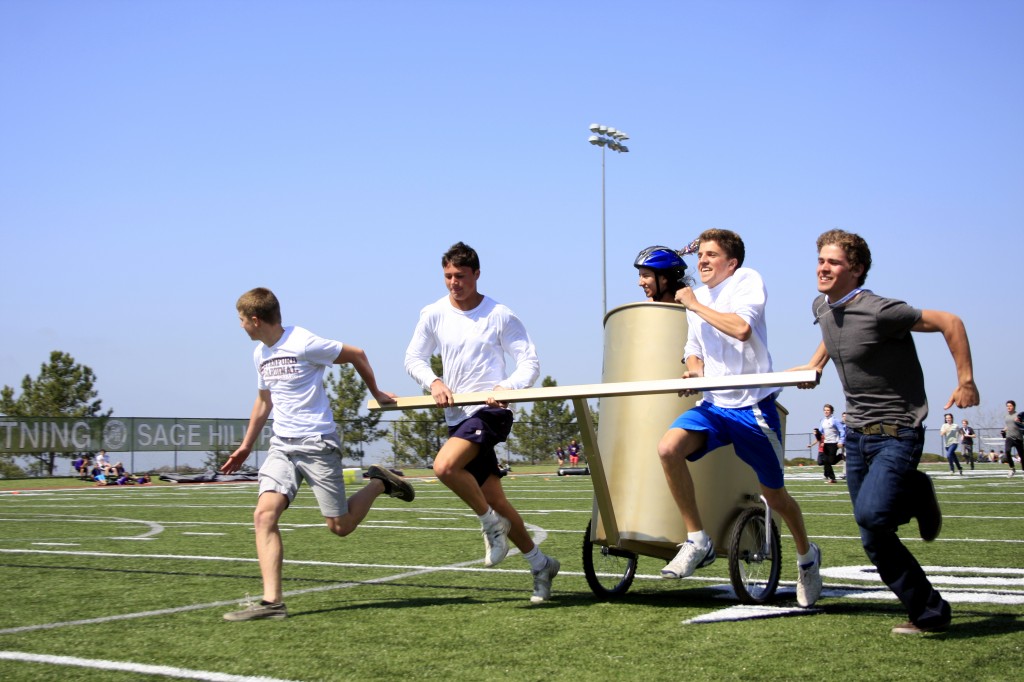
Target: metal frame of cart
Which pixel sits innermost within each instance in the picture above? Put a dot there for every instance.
(739, 521)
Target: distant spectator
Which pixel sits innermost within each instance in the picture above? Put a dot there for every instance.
(574, 452)
(950, 435)
(560, 456)
(82, 466)
(1012, 432)
(830, 447)
(101, 459)
(819, 442)
(967, 442)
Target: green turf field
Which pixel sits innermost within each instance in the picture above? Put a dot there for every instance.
(131, 583)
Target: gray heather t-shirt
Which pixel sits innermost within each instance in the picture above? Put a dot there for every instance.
(1012, 427)
(870, 342)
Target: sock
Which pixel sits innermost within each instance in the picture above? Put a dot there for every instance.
(537, 558)
(699, 538)
(488, 518)
(805, 559)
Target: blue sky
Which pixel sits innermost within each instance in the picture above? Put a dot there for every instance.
(159, 158)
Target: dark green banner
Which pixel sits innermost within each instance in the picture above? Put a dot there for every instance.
(123, 434)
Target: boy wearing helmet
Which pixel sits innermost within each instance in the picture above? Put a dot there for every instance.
(662, 273)
(727, 335)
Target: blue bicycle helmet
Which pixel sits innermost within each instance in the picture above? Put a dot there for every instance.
(666, 261)
(659, 258)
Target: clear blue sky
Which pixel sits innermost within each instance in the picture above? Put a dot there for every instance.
(159, 158)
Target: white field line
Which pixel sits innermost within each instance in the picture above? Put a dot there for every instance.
(539, 535)
(139, 668)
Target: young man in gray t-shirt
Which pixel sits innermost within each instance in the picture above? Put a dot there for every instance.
(1012, 432)
(869, 339)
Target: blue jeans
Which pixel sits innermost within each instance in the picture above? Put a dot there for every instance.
(954, 461)
(886, 489)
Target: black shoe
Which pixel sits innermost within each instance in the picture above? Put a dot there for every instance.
(909, 628)
(929, 515)
(394, 486)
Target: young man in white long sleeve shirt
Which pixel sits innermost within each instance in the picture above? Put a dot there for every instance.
(473, 333)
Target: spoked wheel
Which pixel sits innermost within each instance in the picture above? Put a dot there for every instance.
(755, 557)
(609, 571)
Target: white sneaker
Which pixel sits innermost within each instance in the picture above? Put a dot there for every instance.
(542, 581)
(808, 584)
(689, 559)
(496, 541)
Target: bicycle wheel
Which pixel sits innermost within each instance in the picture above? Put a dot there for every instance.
(754, 564)
(609, 571)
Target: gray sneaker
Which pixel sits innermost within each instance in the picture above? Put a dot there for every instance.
(496, 541)
(689, 559)
(808, 583)
(256, 610)
(394, 486)
(542, 581)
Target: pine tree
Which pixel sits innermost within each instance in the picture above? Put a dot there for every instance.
(62, 389)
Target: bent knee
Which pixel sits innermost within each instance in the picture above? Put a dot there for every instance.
(676, 443)
(340, 526)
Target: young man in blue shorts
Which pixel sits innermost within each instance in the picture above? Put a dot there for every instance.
(473, 333)
(290, 364)
(727, 335)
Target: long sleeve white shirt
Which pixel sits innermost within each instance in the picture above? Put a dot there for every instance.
(473, 345)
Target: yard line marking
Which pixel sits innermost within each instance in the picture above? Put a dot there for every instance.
(539, 536)
(58, 544)
(750, 613)
(142, 668)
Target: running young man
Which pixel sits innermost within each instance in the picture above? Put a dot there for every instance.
(1013, 433)
(870, 340)
(727, 335)
(290, 364)
(473, 334)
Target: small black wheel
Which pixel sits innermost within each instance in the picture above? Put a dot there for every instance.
(754, 564)
(609, 570)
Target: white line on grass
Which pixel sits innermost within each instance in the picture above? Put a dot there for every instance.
(141, 668)
(538, 537)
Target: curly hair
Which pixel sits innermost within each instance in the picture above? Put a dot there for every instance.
(853, 245)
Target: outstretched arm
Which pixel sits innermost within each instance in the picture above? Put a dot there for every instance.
(817, 363)
(257, 420)
(953, 330)
(357, 358)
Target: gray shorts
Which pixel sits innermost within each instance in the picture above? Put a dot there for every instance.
(314, 459)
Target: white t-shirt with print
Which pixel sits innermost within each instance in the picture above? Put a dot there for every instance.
(293, 371)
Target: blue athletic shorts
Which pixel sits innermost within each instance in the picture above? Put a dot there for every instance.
(754, 432)
(486, 428)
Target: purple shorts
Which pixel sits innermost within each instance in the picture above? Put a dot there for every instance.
(486, 428)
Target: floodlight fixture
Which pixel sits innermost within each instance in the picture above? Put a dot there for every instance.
(609, 137)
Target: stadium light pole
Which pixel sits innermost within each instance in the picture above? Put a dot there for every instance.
(610, 138)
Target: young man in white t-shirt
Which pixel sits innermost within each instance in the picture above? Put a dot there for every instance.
(290, 363)
(473, 333)
(727, 335)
